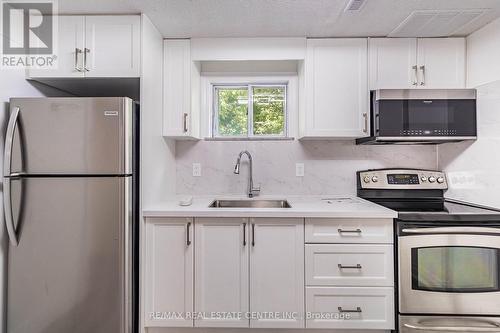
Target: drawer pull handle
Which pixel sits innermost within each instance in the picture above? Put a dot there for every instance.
(358, 309)
(358, 266)
(356, 231)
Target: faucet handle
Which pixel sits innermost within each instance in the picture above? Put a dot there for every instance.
(256, 189)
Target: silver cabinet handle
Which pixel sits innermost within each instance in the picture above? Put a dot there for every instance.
(184, 122)
(244, 234)
(415, 75)
(358, 266)
(85, 51)
(343, 231)
(455, 328)
(253, 234)
(422, 82)
(453, 230)
(188, 237)
(77, 52)
(365, 116)
(358, 309)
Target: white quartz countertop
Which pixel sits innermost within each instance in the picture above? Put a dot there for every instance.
(302, 206)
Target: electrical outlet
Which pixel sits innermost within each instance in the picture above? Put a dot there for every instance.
(299, 169)
(196, 170)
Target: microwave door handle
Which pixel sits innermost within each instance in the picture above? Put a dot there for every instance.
(455, 328)
(453, 230)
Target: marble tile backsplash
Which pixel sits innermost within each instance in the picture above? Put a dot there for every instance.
(330, 166)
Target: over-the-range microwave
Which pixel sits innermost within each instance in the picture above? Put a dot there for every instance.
(421, 116)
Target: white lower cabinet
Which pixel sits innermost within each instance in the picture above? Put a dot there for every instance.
(277, 272)
(349, 265)
(350, 308)
(221, 272)
(169, 272)
(348, 230)
(260, 273)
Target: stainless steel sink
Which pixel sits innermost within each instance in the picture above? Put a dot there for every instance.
(250, 204)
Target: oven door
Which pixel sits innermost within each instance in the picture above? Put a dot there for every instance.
(449, 270)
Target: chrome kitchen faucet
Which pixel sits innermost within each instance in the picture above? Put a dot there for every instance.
(251, 190)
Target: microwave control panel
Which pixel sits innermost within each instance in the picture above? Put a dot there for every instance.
(402, 179)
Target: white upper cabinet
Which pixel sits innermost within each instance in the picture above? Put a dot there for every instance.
(169, 272)
(181, 94)
(221, 271)
(277, 271)
(393, 63)
(410, 63)
(441, 63)
(71, 42)
(96, 46)
(336, 89)
(112, 45)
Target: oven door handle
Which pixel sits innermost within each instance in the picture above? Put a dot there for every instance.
(455, 328)
(453, 230)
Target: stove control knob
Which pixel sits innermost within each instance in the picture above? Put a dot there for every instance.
(432, 179)
(366, 179)
(440, 180)
(374, 179)
(423, 178)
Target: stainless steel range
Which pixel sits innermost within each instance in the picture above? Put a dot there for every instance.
(448, 252)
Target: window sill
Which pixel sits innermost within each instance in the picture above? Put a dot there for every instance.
(250, 139)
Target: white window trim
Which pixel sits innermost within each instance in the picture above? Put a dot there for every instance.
(207, 115)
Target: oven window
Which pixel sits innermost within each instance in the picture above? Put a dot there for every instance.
(456, 269)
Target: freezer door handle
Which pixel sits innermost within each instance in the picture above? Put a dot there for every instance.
(7, 207)
(9, 141)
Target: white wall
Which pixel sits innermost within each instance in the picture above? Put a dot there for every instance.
(474, 168)
(157, 156)
(330, 166)
(483, 52)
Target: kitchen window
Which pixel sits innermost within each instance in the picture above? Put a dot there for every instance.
(250, 111)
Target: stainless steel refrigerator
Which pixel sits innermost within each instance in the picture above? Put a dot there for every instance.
(70, 202)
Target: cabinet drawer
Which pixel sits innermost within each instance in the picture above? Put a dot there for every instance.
(372, 308)
(325, 230)
(349, 265)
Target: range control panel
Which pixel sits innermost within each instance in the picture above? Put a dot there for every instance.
(402, 179)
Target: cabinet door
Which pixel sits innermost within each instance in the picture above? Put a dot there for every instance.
(176, 85)
(169, 272)
(112, 46)
(277, 272)
(221, 271)
(181, 89)
(441, 63)
(392, 63)
(336, 88)
(70, 45)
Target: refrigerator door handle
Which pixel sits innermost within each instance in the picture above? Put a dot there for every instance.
(7, 207)
(9, 141)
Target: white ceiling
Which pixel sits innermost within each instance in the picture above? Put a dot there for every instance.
(278, 18)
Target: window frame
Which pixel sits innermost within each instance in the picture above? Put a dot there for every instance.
(250, 111)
